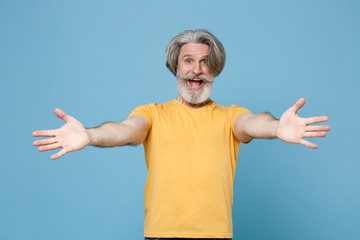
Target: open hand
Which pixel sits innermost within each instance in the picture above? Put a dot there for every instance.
(72, 136)
(294, 129)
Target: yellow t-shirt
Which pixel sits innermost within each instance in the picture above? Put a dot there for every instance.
(191, 155)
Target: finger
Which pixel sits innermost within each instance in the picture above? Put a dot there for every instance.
(314, 134)
(308, 144)
(49, 147)
(315, 128)
(299, 104)
(44, 133)
(59, 154)
(44, 141)
(61, 114)
(317, 119)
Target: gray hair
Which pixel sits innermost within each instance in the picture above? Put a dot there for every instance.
(216, 49)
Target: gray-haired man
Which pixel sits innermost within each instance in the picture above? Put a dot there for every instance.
(191, 143)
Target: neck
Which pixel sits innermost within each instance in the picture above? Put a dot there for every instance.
(191, 105)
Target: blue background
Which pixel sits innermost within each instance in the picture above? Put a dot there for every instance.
(98, 60)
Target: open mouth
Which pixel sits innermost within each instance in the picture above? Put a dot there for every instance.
(195, 84)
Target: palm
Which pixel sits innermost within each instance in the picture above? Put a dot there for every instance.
(70, 137)
(294, 129)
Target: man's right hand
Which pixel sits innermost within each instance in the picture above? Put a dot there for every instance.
(70, 137)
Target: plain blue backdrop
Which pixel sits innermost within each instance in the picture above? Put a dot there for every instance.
(98, 60)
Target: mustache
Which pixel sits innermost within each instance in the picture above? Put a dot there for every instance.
(193, 76)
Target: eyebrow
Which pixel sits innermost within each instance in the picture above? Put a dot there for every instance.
(189, 55)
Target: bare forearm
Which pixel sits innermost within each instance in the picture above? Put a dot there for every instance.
(290, 128)
(110, 134)
(132, 131)
(262, 125)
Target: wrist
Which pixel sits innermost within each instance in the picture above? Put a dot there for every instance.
(91, 135)
(275, 128)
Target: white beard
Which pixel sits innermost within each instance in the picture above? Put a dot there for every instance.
(194, 96)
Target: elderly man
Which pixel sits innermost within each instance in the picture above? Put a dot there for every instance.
(191, 143)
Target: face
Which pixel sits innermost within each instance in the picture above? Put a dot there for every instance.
(194, 80)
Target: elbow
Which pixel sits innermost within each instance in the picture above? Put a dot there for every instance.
(135, 142)
(134, 136)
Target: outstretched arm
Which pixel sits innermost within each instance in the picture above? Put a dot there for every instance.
(290, 128)
(72, 136)
(131, 131)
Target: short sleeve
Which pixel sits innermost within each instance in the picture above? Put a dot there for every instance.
(236, 111)
(144, 111)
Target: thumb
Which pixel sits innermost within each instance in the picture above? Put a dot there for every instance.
(299, 104)
(61, 114)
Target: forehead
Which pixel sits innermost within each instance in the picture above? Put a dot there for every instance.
(194, 49)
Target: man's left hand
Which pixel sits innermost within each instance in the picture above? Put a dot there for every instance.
(293, 129)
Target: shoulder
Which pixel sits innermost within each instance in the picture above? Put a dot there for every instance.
(238, 110)
(232, 109)
(152, 107)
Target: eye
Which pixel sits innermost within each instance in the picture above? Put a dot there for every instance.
(205, 61)
(188, 60)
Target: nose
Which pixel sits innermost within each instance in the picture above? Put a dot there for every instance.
(196, 68)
